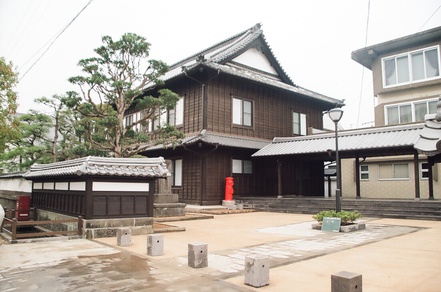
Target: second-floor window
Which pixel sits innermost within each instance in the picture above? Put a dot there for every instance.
(173, 117)
(242, 112)
(176, 115)
(409, 112)
(411, 67)
(298, 123)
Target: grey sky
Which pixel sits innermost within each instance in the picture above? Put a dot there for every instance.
(312, 40)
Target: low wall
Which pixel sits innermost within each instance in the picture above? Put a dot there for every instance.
(97, 228)
(13, 185)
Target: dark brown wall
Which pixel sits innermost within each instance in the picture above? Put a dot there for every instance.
(272, 112)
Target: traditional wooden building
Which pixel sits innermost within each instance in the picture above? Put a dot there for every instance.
(235, 98)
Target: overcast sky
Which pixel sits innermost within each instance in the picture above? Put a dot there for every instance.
(312, 39)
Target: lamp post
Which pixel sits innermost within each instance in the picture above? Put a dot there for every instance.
(335, 115)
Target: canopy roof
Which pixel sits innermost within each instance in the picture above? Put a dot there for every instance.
(390, 140)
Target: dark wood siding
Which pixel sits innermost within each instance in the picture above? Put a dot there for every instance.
(272, 108)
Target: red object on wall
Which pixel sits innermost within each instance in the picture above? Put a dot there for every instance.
(229, 190)
(22, 208)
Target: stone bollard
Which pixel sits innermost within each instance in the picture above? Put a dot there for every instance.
(257, 270)
(346, 282)
(124, 236)
(155, 244)
(197, 255)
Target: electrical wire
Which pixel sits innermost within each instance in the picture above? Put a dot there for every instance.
(64, 29)
(362, 72)
(429, 18)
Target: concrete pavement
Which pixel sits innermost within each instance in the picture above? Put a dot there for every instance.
(391, 255)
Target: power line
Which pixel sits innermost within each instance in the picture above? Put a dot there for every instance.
(430, 18)
(64, 29)
(362, 72)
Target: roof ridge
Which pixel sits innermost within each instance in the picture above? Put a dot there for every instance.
(211, 48)
(351, 132)
(253, 33)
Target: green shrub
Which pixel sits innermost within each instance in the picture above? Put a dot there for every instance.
(346, 217)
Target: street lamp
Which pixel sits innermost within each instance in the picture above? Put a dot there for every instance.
(335, 115)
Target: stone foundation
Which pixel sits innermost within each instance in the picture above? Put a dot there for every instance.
(167, 205)
(97, 228)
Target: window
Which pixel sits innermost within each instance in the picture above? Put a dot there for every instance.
(131, 120)
(173, 117)
(424, 170)
(242, 166)
(364, 172)
(298, 123)
(394, 171)
(411, 67)
(176, 115)
(409, 112)
(242, 112)
(176, 172)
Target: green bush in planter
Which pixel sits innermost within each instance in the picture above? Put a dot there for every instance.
(346, 217)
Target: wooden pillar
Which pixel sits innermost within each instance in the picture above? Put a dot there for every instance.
(279, 177)
(151, 197)
(357, 176)
(430, 166)
(416, 167)
(329, 186)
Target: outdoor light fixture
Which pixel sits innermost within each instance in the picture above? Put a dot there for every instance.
(335, 115)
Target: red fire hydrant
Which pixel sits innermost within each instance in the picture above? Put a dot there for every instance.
(229, 182)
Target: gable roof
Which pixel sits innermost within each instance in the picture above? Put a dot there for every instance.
(367, 55)
(224, 57)
(226, 50)
(102, 166)
(368, 139)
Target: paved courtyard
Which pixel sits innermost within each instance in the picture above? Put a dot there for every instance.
(391, 255)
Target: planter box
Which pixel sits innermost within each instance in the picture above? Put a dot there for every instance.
(344, 228)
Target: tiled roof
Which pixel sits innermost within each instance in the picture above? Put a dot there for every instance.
(360, 139)
(101, 166)
(221, 140)
(219, 55)
(228, 141)
(429, 141)
(268, 80)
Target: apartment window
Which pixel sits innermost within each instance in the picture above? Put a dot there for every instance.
(364, 172)
(176, 172)
(411, 67)
(242, 112)
(298, 123)
(409, 112)
(242, 166)
(394, 171)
